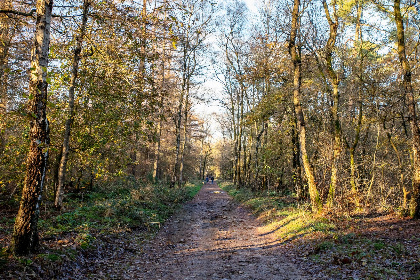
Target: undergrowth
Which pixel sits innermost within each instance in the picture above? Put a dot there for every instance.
(107, 212)
(336, 244)
(116, 205)
(282, 214)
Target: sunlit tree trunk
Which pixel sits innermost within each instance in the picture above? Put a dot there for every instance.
(66, 141)
(245, 158)
(25, 234)
(295, 55)
(333, 23)
(157, 151)
(235, 142)
(257, 153)
(239, 122)
(352, 148)
(411, 103)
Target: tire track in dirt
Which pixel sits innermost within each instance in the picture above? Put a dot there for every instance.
(212, 237)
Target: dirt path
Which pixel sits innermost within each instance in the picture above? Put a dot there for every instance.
(211, 238)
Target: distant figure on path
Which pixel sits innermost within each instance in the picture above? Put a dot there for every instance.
(207, 179)
(212, 179)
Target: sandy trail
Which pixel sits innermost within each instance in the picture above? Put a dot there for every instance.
(211, 238)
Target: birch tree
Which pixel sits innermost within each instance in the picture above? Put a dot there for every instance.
(25, 235)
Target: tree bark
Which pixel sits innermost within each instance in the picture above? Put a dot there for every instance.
(157, 151)
(5, 38)
(66, 141)
(412, 110)
(156, 161)
(336, 127)
(294, 51)
(358, 44)
(297, 167)
(25, 234)
(257, 155)
(178, 121)
(185, 133)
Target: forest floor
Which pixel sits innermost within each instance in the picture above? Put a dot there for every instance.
(215, 237)
(212, 237)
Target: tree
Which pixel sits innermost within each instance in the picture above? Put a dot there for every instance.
(69, 121)
(412, 108)
(25, 235)
(335, 81)
(296, 59)
(192, 30)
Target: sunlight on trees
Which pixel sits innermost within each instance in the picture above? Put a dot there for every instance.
(319, 100)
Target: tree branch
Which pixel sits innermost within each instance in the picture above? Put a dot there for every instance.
(30, 14)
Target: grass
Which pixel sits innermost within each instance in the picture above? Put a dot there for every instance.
(282, 215)
(107, 212)
(113, 206)
(338, 245)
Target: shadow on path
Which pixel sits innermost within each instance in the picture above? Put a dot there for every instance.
(212, 237)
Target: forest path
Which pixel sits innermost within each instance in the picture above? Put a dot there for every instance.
(212, 237)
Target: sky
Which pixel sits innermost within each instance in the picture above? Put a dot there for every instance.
(252, 5)
(213, 89)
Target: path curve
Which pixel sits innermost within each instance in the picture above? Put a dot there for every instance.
(212, 237)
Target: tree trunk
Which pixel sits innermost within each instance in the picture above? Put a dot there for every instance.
(157, 152)
(156, 161)
(297, 168)
(5, 38)
(294, 51)
(244, 160)
(257, 155)
(178, 121)
(336, 127)
(142, 66)
(25, 234)
(185, 132)
(412, 103)
(352, 148)
(66, 141)
(240, 116)
(204, 165)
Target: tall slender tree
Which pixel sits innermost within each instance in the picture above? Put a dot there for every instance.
(412, 108)
(70, 116)
(25, 235)
(296, 58)
(335, 82)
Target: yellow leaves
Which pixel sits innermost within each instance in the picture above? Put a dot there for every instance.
(271, 45)
(412, 9)
(346, 7)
